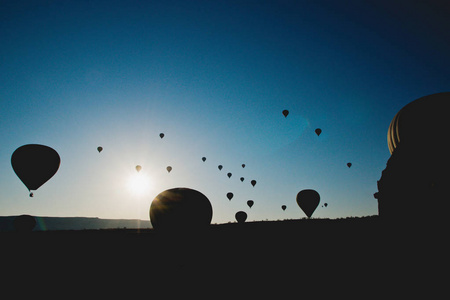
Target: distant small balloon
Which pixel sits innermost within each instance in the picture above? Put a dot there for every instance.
(229, 175)
(230, 196)
(283, 207)
(220, 167)
(169, 168)
(250, 203)
(285, 113)
(242, 179)
(349, 165)
(161, 135)
(243, 165)
(253, 182)
(204, 159)
(241, 216)
(325, 204)
(99, 149)
(138, 168)
(318, 131)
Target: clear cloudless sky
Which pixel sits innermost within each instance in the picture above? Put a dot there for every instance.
(214, 76)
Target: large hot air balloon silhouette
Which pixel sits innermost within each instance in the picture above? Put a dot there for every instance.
(35, 164)
(241, 216)
(318, 131)
(308, 200)
(285, 113)
(421, 124)
(250, 203)
(179, 208)
(230, 196)
(99, 149)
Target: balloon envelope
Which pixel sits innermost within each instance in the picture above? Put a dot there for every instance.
(308, 200)
(250, 203)
(35, 164)
(349, 165)
(229, 175)
(241, 216)
(180, 208)
(318, 131)
(220, 167)
(285, 113)
(243, 165)
(253, 182)
(138, 168)
(242, 179)
(161, 135)
(99, 149)
(283, 207)
(204, 159)
(169, 168)
(230, 196)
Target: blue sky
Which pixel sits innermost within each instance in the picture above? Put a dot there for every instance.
(214, 76)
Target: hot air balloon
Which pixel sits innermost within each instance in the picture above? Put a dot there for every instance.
(179, 209)
(161, 135)
(230, 196)
(241, 216)
(169, 168)
(325, 204)
(220, 167)
(243, 165)
(308, 200)
(204, 159)
(242, 179)
(253, 182)
(35, 164)
(250, 203)
(229, 175)
(138, 168)
(283, 207)
(99, 149)
(24, 223)
(285, 113)
(349, 164)
(318, 131)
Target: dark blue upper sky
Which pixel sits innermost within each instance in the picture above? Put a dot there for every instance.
(214, 76)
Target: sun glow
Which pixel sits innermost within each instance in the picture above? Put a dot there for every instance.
(139, 184)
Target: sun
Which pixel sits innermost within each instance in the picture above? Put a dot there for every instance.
(139, 184)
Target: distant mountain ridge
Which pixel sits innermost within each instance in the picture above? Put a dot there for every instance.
(76, 223)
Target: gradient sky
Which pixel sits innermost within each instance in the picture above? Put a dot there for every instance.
(214, 76)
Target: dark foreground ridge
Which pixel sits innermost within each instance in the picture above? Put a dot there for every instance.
(362, 253)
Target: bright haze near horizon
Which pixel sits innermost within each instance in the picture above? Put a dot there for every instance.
(214, 77)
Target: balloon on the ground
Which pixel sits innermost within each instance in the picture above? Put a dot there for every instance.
(308, 200)
(35, 164)
(179, 208)
(241, 216)
(24, 223)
